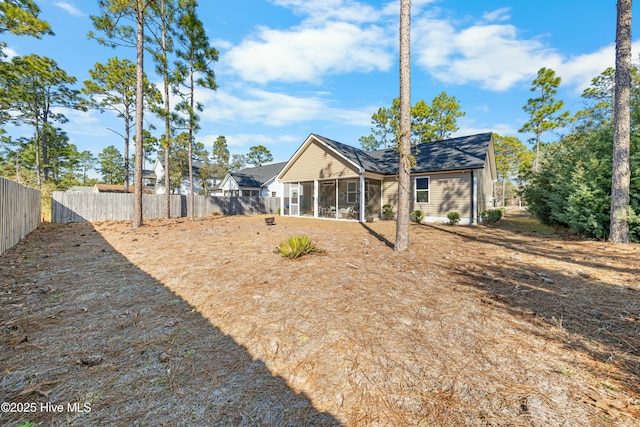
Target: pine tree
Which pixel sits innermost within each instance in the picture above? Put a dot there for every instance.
(544, 110)
(622, 128)
(194, 69)
(404, 167)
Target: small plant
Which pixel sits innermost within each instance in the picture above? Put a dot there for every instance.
(297, 246)
(454, 217)
(417, 216)
(278, 211)
(492, 215)
(387, 211)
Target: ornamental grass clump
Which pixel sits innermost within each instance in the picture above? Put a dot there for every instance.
(298, 246)
(454, 218)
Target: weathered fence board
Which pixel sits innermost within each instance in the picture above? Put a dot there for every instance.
(19, 212)
(80, 207)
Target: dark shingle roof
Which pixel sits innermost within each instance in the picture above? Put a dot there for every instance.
(257, 176)
(467, 152)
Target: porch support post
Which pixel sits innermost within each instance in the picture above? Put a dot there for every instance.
(282, 196)
(315, 198)
(362, 213)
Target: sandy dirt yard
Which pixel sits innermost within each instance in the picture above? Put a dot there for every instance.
(201, 323)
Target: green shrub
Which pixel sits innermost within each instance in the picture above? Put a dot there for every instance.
(387, 211)
(417, 216)
(492, 215)
(297, 246)
(454, 217)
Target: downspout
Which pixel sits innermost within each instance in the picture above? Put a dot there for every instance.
(474, 199)
(361, 217)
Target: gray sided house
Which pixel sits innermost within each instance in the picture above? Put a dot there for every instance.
(329, 179)
(259, 181)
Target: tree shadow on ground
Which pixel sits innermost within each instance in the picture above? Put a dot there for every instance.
(585, 314)
(377, 235)
(81, 325)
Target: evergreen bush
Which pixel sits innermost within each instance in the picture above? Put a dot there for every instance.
(454, 217)
(417, 216)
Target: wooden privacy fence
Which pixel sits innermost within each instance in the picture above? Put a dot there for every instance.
(19, 212)
(79, 207)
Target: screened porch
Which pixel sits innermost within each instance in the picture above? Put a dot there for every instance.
(333, 198)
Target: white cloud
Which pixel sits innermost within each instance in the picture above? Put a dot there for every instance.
(69, 8)
(11, 53)
(499, 128)
(580, 70)
(497, 15)
(491, 55)
(340, 10)
(307, 54)
(259, 106)
(495, 56)
(247, 140)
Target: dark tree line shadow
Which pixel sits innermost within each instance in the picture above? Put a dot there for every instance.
(605, 317)
(144, 358)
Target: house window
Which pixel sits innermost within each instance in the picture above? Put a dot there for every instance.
(273, 194)
(422, 190)
(352, 192)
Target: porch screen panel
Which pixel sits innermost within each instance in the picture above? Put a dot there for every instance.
(287, 201)
(327, 199)
(306, 199)
(348, 198)
(373, 198)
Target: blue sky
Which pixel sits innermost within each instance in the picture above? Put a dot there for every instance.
(288, 68)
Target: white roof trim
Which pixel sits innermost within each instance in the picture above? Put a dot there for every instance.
(303, 147)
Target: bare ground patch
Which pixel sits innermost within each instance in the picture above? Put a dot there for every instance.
(183, 323)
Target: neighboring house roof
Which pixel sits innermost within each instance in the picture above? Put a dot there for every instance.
(146, 173)
(257, 176)
(80, 189)
(118, 188)
(467, 152)
(112, 188)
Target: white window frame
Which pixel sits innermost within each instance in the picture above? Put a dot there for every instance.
(416, 190)
(351, 193)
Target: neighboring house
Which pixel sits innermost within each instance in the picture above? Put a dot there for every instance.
(118, 188)
(259, 181)
(183, 188)
(149, 179)
(329, 179)
(81, 189)
(111, 188)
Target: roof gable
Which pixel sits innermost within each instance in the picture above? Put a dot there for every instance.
(257, 176)
(467, 152)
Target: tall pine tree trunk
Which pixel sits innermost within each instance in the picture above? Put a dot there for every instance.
(137, 183)
(127, 128)
(167, 116)
(191, 133)
(404, 144)
(620, 174)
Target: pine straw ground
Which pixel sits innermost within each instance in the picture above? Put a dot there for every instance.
(200, 323)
